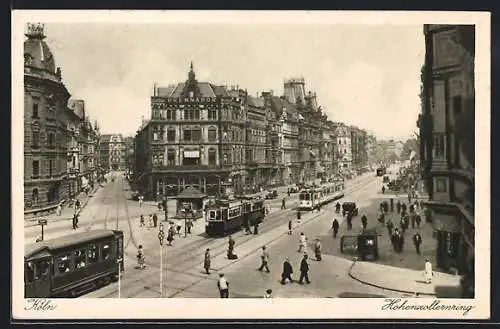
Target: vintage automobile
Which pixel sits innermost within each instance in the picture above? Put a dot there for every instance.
(349, 207)
(395, 185)
(272, 194)
(135, 195)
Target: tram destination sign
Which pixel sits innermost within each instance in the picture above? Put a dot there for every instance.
(42, 222)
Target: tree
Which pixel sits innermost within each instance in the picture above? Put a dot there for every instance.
(411, 144)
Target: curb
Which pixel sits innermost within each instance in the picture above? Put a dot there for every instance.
(382, 287)
(34, 221)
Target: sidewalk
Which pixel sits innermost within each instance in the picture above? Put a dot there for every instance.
(402, 280)
(66, 212)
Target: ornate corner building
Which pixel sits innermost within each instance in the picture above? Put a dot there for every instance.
(447, 141)
(59, 141)
(45, 131)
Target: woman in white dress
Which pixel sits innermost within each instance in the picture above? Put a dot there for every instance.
(428, 271)
(302, 242)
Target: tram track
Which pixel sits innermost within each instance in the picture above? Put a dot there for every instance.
(185, 261)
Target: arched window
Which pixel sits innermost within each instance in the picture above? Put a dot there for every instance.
(212, 160)
(212, 134)
(171, 157)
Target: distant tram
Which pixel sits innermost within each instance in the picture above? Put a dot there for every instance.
(381, 171)
(224, 216)
(73, 264)
(313, 197)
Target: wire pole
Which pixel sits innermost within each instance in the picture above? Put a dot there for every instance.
(161, 236)
(161, 271)
(119, 279)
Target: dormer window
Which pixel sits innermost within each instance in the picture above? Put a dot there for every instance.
(191, 94)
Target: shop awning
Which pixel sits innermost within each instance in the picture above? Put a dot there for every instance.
(191, 154)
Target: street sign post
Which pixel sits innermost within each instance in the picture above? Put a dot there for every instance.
(42, 223)
(161, 237)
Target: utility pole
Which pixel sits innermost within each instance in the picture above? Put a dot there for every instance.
(161, 237)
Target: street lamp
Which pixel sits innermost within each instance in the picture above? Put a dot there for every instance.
(165, 208)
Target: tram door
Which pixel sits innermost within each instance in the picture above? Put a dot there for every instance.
(37, 277)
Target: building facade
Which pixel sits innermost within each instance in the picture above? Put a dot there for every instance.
(258, 152)
(87, 138)
(328, 149)
(447, 142)
(216, 139)
(45, 124)
(358, 147)
(129, 144)
(196, 137)
(112, 152)
(344, 148)
(73, 156)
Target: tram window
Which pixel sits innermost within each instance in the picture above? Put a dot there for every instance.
(92, 254)
(64, 264)
(29, 271)
(218, 215)
(234, 212)
(106, 251)
(42, 267)
(80, 259)
(212, 214)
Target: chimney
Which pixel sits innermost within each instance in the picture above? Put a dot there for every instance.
(272, 93)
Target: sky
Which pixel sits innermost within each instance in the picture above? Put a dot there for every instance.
(364, 75)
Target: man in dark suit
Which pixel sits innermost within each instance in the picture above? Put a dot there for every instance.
(304, 270)
(287, 271)
(335, 227)
(417, 241)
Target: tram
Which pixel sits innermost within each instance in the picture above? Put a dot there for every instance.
(311, 198)
(224, 216)
(71, 265)
(381, 171)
